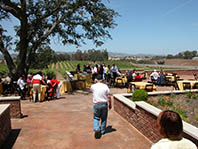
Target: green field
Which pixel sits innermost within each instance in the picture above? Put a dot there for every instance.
(63, 66)
(71, 65)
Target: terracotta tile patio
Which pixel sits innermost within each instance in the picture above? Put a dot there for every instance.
(67, 124)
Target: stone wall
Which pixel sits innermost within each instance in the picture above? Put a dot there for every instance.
(144, 121)
(15, 105)
(5, 122)
(143, 117)
(179, 72)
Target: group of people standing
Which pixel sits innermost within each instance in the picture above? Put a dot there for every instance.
(158, 77)
(35, 81)
(107, 72)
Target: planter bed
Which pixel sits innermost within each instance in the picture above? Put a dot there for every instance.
(143, 115)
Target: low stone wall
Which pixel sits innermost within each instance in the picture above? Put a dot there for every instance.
(15, 105)
(5, 122)
(177, 71)
(180, 72)
(143, 117)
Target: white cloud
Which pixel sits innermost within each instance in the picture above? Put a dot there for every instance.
(170, 11)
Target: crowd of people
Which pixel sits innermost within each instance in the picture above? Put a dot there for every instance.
(109, 73)
(169, 122)
(24, 85)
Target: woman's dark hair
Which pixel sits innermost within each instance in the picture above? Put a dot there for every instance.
(170, 124)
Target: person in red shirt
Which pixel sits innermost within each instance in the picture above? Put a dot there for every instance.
(36, 82)
(57, 84)
(138, 77)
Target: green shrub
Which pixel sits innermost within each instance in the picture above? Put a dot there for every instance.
(195, 96)
(161, 101)
(188, 101)
(161, 62)
(139, 95)
(172, 95)
(145, 62)
(188, 94)
(182, 113)
(196, 117)
(169, 103)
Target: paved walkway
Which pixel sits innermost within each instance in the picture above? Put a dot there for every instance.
(67, 124)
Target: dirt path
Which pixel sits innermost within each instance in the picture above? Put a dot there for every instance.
(58, 75)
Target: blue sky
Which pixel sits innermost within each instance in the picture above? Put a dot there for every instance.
(158, 27)
(152, 27)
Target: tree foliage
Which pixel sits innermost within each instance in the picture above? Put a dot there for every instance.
(67, 21)
(185, 55)
(43, 58)
(90, 55)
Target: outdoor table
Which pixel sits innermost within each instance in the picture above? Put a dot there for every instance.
(170, 78)
(63, 88)
(43, 90)
(76, 76)
(180, 83)
(139, 85)
(121, 80)
(143, 74)
(169, 74)
(87, 78)
(68, 86)
(80, 84)
(82, 80)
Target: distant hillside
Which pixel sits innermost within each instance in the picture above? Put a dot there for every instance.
(115, 54)
(112, 54)
(184, 62)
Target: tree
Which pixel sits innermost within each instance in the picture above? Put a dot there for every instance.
(62, 57)
(105, 54)
(78, 55)
(69, 21)
(169, 56)
(43, 58)
(179, 55)
(187, 55)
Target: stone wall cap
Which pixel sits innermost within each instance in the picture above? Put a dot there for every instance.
(151, 109)
(3, 107)
(171, 92)
(10, 98)
(190, 130)
(125, 100)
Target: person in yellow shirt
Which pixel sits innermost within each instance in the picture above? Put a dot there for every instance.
(171, 128)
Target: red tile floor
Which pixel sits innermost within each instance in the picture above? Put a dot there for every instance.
(67, 124)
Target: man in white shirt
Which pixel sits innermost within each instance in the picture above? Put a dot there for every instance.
(155, 75)
(21, 83)
(101, 98)
(94, 72)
